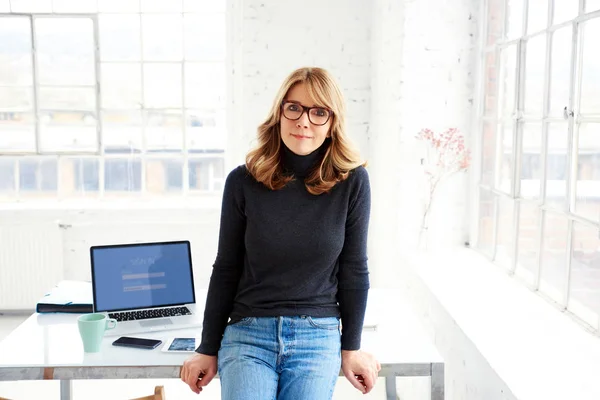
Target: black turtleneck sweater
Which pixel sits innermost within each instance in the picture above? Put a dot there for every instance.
(288, 253)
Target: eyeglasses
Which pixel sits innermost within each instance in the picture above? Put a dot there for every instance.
(316, 115)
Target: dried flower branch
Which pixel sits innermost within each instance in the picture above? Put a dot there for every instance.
(446, 155)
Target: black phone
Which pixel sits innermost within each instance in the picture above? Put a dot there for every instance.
(138, 343)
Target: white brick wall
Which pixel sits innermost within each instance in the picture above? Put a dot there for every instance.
(401, 65)
(423, 65)
(439, 50)
(276, 37)
(384, 134)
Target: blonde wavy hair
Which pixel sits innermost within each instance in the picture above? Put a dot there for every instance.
(265, 162)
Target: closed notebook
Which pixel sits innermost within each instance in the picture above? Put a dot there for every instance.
(67, 297)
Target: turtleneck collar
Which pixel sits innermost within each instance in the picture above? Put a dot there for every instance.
(301, 166)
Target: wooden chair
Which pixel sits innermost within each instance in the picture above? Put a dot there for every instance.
(159, 394)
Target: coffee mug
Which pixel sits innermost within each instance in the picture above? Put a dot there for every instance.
(91, 329)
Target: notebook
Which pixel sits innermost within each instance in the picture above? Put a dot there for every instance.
(67, 297)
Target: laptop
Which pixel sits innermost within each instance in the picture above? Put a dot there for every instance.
(145, 286)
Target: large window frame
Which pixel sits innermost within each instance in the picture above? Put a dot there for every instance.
(515, 216)
(190, 113)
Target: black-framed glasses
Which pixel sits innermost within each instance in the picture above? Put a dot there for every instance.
(316, 115)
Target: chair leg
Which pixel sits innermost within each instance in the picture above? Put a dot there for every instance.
(159, 394)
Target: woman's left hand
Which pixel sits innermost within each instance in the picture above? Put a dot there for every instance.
(360, 368)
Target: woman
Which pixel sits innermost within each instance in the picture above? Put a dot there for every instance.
(291, 258)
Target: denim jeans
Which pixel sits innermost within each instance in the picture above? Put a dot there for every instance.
(283, 358)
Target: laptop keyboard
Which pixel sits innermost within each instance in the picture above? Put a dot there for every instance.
(148, 314)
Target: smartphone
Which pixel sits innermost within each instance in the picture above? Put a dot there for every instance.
(138, 343)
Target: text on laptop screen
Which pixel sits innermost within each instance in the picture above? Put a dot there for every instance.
(142, 276)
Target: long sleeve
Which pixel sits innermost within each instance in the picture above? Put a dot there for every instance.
(353, 275)
(228, 264)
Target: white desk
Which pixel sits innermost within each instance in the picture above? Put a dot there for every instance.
(47, 346)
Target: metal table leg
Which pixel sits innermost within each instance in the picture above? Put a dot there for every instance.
(65, 389)
(390, 387)
(437, 381)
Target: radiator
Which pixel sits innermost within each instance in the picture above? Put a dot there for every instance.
(31, 262)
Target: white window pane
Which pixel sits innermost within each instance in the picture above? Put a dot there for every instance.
(17, 131)
(68, 131)
(204, 6)
(485, 240)
(560, 71)
(537, 15)
(508, 81)
(65, 51)
(16, 99)
(592, 5)
(122, 131)
(161, 6)
(207, 173)
(531, 161)
(31, 6)
(119, 6)
(528, 245)
(37, 175)
(534, 76)
(206, 130)
(121, 86)
(68, 120)
(505, 232)
(75, 6)
(7, 177)
(204, 37)
(76, 99)
(15, 51)
(163, 37)
(514, 23)
(590, 79)
(79, 177)
(17, 126)
(488, 149)
(554, 256)
(162, 85)
(164, 130)
(5, 6)
(565, 10)
(490, 106)
(122, 175)
(588, 172)
(120, 37)
(504, 158)
(584, 291)
(164, 175)
(205, 85)
(556, 165)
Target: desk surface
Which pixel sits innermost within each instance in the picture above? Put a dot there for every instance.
(46, 341)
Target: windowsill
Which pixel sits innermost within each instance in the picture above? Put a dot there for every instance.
(208, 201)
(539, 352)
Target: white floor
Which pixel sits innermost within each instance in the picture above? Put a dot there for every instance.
(413, 388)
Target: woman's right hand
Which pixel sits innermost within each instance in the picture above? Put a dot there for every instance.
(198, 371)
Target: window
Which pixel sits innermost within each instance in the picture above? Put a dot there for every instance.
(119, 98)
(37, 175)
(539, 189)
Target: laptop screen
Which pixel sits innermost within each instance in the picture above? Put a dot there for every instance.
(144, 275)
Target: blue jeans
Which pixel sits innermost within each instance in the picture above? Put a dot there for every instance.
(283, 358)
